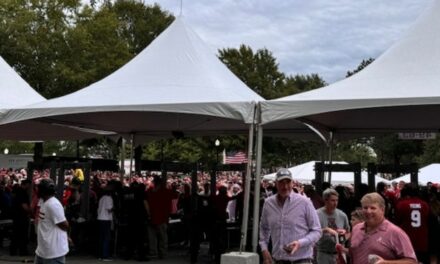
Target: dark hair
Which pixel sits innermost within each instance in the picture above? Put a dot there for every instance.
(409, 189)
(46, 187)
(380, 187)
(26, 181)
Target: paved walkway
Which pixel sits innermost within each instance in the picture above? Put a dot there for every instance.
(175, 256)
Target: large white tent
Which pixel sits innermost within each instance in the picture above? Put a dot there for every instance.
(16, 92)
(305, 173)
(430, 173)
(399, 91)
(175, 84)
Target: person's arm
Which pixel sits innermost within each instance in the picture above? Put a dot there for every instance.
(63, 225)
(314, 225)
(267, 257)
(110, 206)
(265, 235)
(329, 230)
(26, 208)
(397, 261)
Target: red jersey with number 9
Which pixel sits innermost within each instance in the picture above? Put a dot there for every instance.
(412, 216)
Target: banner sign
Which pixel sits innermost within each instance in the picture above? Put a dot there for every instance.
(417, 135)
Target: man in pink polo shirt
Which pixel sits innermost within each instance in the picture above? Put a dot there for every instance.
(377, 240)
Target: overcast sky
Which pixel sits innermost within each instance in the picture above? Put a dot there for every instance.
(327, 37)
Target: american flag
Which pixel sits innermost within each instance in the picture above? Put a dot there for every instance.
(235, 157)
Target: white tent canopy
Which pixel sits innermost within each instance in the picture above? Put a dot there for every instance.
(399, 91)
(16, 92)
(430, 173)
(305, 173)
(175, 84)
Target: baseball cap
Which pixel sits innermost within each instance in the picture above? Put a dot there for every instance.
(283, 174)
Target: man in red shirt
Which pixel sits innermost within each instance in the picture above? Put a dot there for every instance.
(159, 203)
(377, 238)
(412, 214)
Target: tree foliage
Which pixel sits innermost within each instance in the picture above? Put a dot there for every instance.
(60, 46)
(362, 65)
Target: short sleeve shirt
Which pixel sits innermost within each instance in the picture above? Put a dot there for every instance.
(336, 220)
(52, 241)
(387, 241)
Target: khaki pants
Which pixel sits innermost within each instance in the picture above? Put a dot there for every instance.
(158, 240)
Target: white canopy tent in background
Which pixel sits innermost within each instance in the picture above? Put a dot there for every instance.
(175, 86)
(430, 173)
(398, 92)
(16, 92)
(305, 173)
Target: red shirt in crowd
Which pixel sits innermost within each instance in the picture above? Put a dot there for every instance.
(412, 216)
(159, 201)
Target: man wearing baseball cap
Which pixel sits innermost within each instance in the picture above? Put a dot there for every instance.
(291, 222)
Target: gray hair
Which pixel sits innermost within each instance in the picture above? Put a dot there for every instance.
(329, 192)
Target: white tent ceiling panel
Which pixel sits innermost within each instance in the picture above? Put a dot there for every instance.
(176, 74)
(399, 90)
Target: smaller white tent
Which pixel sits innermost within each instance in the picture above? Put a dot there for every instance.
(16, 92)
(305, 173)
(430, 173)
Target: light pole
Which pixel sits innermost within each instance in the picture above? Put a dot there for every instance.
(217, 145)
(214, 175)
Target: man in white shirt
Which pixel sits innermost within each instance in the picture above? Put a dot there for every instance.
(52, 228)
(105, 217)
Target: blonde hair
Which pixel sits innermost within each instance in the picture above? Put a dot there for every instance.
(358, 214)
(373, 198)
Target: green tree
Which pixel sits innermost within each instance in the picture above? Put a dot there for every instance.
(353, 151)
(257, 70)
(61, 46)
(139, 24)
(431, 152)
(32, 37)
(362, 65)
(260, 72)
(391, 149)
(301, 83)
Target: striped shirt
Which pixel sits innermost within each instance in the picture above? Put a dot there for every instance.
(296, 220)
(387, 241)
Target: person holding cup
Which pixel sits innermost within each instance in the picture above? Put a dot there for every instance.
(290, 221)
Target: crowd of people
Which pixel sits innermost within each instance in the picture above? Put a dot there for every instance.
(130, 217)
(395, 224)
(137, 208)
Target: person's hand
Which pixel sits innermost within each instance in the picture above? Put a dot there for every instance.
(341, 231)
(292, 247)
(375, 259)
(339, 248)
(330, 231)
(267, 258)
(380, 261)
